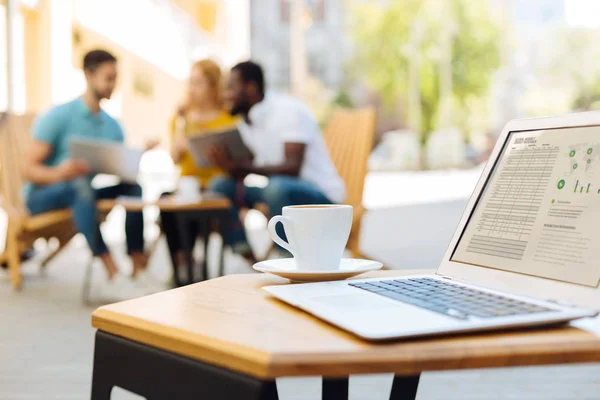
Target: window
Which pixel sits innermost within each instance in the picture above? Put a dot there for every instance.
(18, 64)
(318, 10)
(163, 35)
(284, 10)
(3, 62)
(315, 8)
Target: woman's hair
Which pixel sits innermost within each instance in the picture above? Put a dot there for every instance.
(213, 75)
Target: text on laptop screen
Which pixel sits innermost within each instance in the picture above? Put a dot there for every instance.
(539, 213)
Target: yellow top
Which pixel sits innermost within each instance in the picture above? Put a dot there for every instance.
(186, 163)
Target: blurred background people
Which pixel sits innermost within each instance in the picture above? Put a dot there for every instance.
(288, 147)
(202, 111)
(56, 181)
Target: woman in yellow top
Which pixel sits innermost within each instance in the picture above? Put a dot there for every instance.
(202, 111)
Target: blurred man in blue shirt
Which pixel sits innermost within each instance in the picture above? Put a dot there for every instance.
(57, 181)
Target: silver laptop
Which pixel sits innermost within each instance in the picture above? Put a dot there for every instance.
(105, 157)
(525, 252)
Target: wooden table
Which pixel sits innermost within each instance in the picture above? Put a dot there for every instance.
(227, 339)
(209, 208)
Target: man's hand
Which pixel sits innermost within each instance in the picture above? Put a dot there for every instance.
(71, 169)
(219, 157)
(151, 144)
(291, 166)
(35, 170)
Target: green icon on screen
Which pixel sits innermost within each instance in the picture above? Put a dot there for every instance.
(589, 161)
(572, 153)
(575, 166)
(590, 150)
(561, 184)
(553, 201)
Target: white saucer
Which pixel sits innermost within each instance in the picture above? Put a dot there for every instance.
(286, 268)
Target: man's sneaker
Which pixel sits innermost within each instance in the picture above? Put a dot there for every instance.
(147, 283)
(119, 288)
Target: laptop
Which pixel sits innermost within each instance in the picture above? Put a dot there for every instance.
(525, 252)
(106, 157)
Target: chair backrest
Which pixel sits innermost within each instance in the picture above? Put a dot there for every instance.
(14, 138)
(349, 136)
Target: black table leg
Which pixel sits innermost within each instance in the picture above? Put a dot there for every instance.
(335, 389)
(174, 261)
(157, 374)
(187, 245)
(87, 280)
(223, 221)
(405, 387)
(206, 234)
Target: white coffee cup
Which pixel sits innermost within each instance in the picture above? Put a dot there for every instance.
(188, 189)
(316, 234)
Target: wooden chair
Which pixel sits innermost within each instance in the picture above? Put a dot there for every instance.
(349, 136)
(23, 228)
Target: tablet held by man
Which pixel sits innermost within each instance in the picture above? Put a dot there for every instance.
(228, 139)
(107, 157)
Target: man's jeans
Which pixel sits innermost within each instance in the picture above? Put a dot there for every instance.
(280, 192)
(80, 197)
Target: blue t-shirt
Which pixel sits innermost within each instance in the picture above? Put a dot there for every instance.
(73, 119)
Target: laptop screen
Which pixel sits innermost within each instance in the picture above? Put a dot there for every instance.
(539, 211)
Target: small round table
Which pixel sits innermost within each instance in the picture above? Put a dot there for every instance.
(204, 211)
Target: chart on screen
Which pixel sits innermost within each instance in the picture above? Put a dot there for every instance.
(539, 211)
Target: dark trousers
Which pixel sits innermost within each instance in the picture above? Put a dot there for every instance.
(171, 230)
(280, 192)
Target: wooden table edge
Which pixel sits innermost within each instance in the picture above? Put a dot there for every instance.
(283, 365)
(266, 365)
(205, 349)
(217, 203)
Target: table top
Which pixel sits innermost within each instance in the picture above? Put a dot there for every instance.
(232, 323)
(169, 203)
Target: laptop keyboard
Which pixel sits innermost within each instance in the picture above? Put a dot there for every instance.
(450, 299)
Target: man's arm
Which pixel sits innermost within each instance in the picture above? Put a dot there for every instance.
(34, 169)
(37, 173)
(291, 166)
(46, 132)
